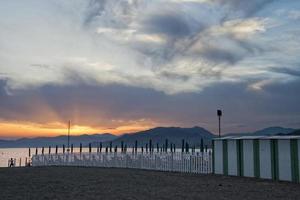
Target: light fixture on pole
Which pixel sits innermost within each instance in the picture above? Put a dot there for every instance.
(69, 127)
(219, 112)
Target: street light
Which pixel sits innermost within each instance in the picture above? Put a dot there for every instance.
(69, 126)
(219, 112)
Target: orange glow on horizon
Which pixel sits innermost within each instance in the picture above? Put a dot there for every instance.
(24, 129)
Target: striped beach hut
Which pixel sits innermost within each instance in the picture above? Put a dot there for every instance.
(274, 157)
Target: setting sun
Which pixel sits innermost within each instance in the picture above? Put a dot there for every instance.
(21, 129)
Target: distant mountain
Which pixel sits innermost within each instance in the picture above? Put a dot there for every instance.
(158, 135)
(59, 140)
(296, 132)
(174, 135)
(276, 130)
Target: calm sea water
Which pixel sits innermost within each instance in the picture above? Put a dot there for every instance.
(23, 153)
(20, 154)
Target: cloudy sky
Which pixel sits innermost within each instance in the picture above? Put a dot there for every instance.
(125, 65)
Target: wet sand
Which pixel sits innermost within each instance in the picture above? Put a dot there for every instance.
(98, 183)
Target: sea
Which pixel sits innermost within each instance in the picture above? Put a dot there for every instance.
(21, 154)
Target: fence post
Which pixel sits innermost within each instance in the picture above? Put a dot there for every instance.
(182, 146)
(36, 151)
(110, 146)
(136, 146)
(187, 147)
(49, 152)
(150, 146)
(122, 146)
(100, 147)
(56, 149)
(166, 149)
(63, 148)
(201, 146)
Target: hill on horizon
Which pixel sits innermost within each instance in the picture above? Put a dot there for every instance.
(159, 135)
(269, 131)
(58, 140)
(296, 132)
(174, 135)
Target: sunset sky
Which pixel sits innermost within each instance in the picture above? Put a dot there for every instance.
(121, 66)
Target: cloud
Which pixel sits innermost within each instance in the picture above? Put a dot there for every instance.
(248, 8)
(115, 107)
(122, 64)
(294, 14)
(95, 8)
(287, 71)
(168, 46)
(170, 25)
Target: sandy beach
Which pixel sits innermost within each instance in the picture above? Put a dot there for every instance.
(98, 183)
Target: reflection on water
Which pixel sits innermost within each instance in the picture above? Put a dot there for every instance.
(23, 153)
(20, 154)
(17, 153)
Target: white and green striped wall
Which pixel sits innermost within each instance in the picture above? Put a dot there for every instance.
(276, 158)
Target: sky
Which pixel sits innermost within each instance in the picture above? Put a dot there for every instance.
(120, 66)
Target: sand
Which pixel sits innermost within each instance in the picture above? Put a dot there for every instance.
(98, 183)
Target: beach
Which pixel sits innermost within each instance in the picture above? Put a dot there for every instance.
(109, 183)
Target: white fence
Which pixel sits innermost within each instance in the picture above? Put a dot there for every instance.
(163, 161)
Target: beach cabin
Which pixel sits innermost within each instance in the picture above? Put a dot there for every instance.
(267, 157)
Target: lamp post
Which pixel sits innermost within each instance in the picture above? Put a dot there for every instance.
(69, 126)
(219, 112)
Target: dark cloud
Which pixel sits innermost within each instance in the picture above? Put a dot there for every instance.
(170, 24)
(179, 29)
(219, 55)
(2, 88)
(95, 8)
(182, 33)
(247, 7)
(288, 71)
(174, 76)
(98, 106)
